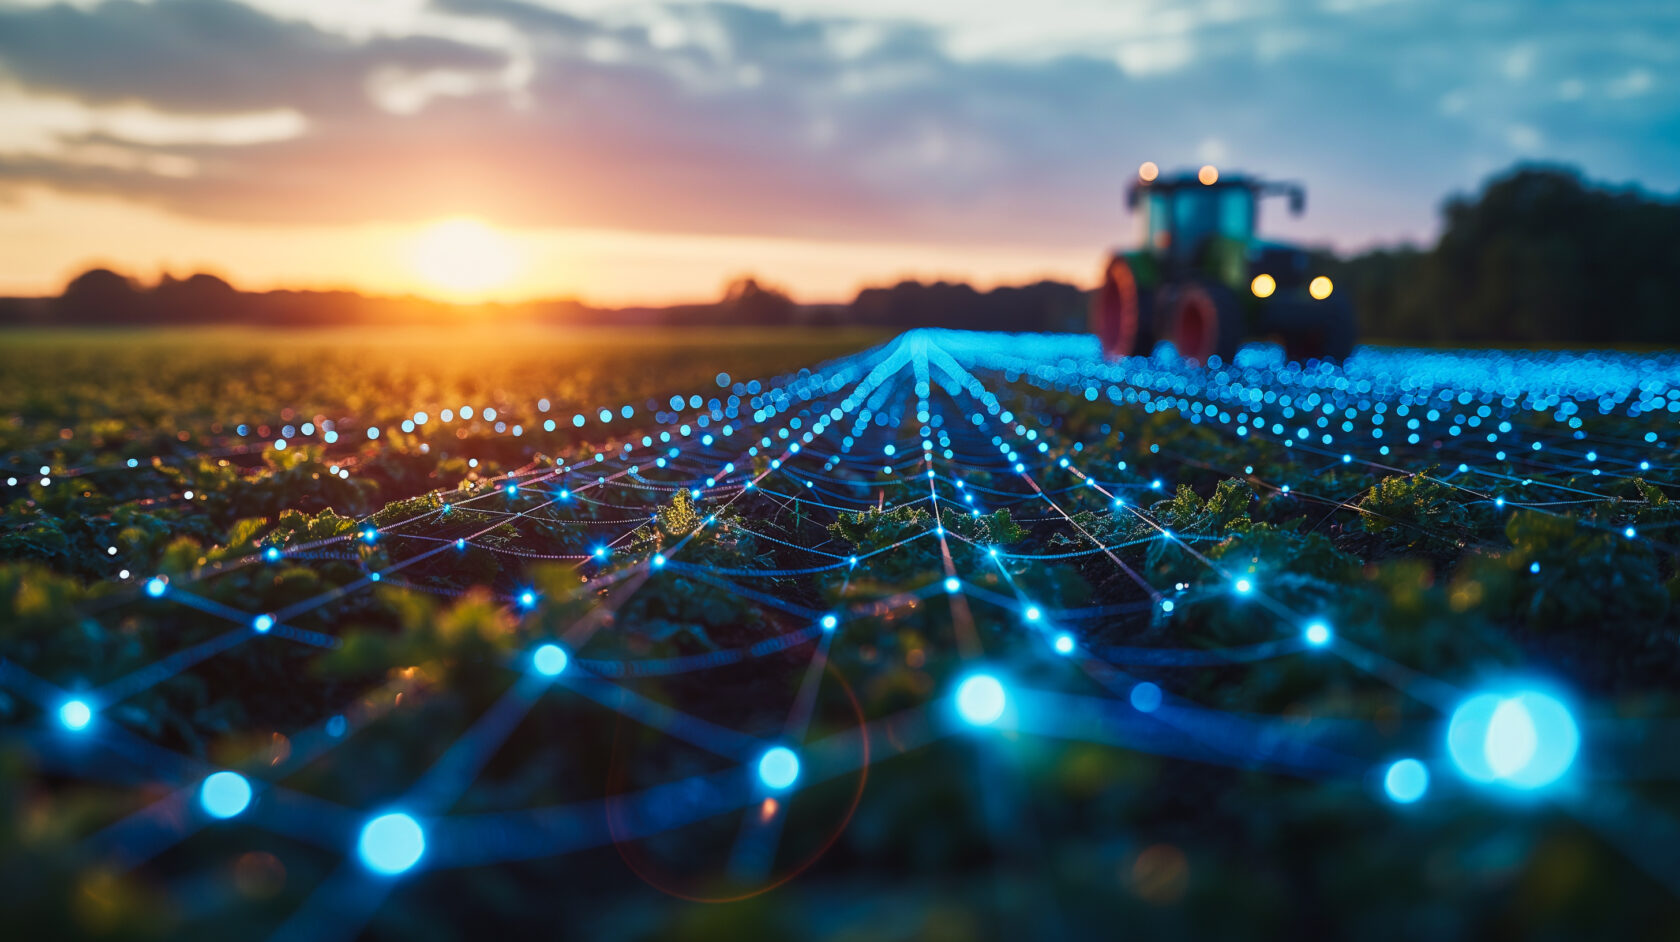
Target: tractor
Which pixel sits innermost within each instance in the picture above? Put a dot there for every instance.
(1203, 281)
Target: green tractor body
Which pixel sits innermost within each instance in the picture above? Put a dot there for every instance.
(1204, 281)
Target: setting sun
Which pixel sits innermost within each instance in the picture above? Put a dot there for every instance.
(464, 256)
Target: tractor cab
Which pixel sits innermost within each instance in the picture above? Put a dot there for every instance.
(1202, 279)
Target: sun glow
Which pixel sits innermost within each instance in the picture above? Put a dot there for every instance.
(464, 257)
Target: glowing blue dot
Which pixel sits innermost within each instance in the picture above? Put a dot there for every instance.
(1167, 605)
(658, 560)
(1318, 634)
(155, 586)
(1628, 533)
(1032, 613)
(372, 432)
(1534, 567)
(1064, 643)
(224, 794)
(1244, 586)
(1526, 740)
(829, 622)
(271, 554)
(549, 660)
(952, 584)
(512, 488)
(527, 598)
(980, 700)
(75, 715)
(778, 767)
(370, 535)
(461, 544)
(391, 843)
(262, 624)
(723, 380)
(1406, 781)
(1146, 697)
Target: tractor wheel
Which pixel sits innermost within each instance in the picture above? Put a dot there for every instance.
(1328, 335)
(1117, 316)
(1201, 319)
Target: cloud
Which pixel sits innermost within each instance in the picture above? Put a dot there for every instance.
(205, 56)
(738, 120)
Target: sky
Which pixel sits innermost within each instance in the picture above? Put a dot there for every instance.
(625, 152)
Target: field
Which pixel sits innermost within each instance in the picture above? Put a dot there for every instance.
(830, 635)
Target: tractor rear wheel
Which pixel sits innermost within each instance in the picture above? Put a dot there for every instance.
(1117, 312)
(1202, 320)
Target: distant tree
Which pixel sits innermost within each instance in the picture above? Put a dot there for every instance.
(199, 299)
(99, 296)
(745, 301)
(1539, 256)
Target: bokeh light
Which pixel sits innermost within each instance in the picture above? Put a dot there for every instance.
(391, 843)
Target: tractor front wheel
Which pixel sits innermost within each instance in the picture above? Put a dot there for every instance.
(1202, 320)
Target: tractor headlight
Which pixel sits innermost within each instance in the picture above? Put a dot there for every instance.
(1320, 288)
(1263, 285)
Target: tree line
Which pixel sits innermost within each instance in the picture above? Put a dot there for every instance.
(1539, 256)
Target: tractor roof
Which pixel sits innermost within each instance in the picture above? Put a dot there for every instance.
(1150, 179)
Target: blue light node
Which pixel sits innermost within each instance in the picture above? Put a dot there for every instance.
(1534, 567)
(391, 843)
(262, 624)
(829, 622)
(1032, 613)
(1064, 643)
(1244, 586)
(511, 488)
(1318, 634)
(981, 699)
(1146, 697)
(952, 584)
(658, 560)
(778, 767)
(527, 598)
(224, 794)
(1629, 533)
(549, 660)
(271, 554)
(155, 586)
(1406, 781)
(75, 715)
(1523, 740)
(1167, 605)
